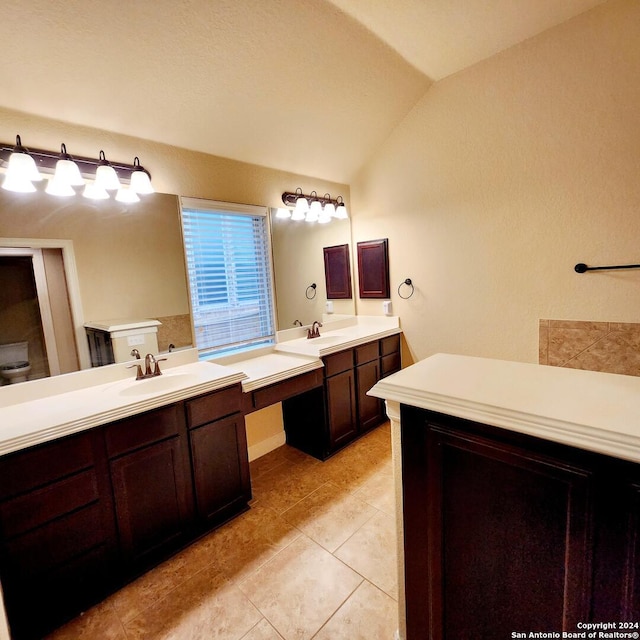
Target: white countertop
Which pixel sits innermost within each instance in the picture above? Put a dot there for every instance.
(30, 422)
(331, 340)
(270, 368)
(41, 410)
(591, 410)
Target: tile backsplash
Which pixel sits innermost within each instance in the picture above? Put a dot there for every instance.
(613, 347)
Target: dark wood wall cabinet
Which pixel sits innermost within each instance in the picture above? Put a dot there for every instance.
(83, 515)
(324, 419)
(509, 533)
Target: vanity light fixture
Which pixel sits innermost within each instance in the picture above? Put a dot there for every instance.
(23, 167)
(313, 208)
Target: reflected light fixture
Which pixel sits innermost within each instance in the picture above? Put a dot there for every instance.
(312, 208)
(22, 171)
(22, 167)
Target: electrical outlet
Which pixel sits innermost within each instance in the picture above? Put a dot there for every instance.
(386, 307)
(329, 306)
(134, 341)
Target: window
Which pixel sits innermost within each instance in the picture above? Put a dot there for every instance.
(229, 271)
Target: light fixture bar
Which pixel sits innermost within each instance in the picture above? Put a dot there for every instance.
(290, 198)
(46, 162)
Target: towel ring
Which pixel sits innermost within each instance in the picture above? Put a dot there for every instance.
(313, 291)
(409, 284)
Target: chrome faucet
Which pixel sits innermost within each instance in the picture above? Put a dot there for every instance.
(314, 332)
(149, 361)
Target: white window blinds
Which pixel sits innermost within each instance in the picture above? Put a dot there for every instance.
(229, 270)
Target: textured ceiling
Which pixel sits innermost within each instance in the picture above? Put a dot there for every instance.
(308, 86)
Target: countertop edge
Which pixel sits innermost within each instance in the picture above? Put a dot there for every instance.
(569, 433)
(42, 436)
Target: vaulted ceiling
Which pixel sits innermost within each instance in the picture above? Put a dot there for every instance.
(309, 86)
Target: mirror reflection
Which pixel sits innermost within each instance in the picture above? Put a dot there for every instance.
(106, 260)
(298, 259)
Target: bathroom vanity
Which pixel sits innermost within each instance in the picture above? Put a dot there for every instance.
(521, 497)
(83, 514)
(103, 476)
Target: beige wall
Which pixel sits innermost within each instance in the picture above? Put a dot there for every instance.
(501, 179)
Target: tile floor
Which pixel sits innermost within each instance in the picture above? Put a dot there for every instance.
(314, 557)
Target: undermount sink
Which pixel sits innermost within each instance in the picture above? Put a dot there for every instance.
(159, 384)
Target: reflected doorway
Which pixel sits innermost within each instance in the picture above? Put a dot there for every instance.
(34, 308)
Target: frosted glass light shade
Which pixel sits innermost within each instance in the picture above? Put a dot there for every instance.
(94, 192)
(67, 172)
(107, 178)
(324, 217)
(23, 167)
(140, 182)
(283, 213)
(329, 210)
(315, 209)
(127, 195)
(341, 212)
(58, 187)
(17, 184)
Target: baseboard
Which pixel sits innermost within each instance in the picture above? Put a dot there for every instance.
(263, 447)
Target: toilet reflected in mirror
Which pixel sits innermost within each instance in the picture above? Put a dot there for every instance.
(14, 362)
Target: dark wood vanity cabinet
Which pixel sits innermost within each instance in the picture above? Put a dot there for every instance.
(506, 532)
(150, 474)
(323, 420)
(57, 532)
(218, 442)
(82, 515)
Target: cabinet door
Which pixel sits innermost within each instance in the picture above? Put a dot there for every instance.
(151, 498)
(341, 409)
(220, 469)
(370, 411)
(497, 537)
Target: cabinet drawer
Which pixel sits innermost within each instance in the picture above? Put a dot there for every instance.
(390, 345)
(367, 352)
(39, 507)
(26, 470)
(214, 405)
(390, 364)
(261, 398)
(338, 362)
(57, 542)
(144, 429)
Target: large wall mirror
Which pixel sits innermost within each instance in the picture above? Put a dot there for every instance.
(128, 261)
(298, 256)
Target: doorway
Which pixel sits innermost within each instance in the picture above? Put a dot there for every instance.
(34, 308)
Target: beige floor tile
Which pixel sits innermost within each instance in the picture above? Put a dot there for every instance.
(263, 631)
(371, 551)
(154, 585)
(284, 486)
(300, 588)
(329, 515)
(99, 622)
(206, 607)
(247, 542)
(379, 492)
(369, 614)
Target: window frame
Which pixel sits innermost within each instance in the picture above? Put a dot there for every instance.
(231, 208)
